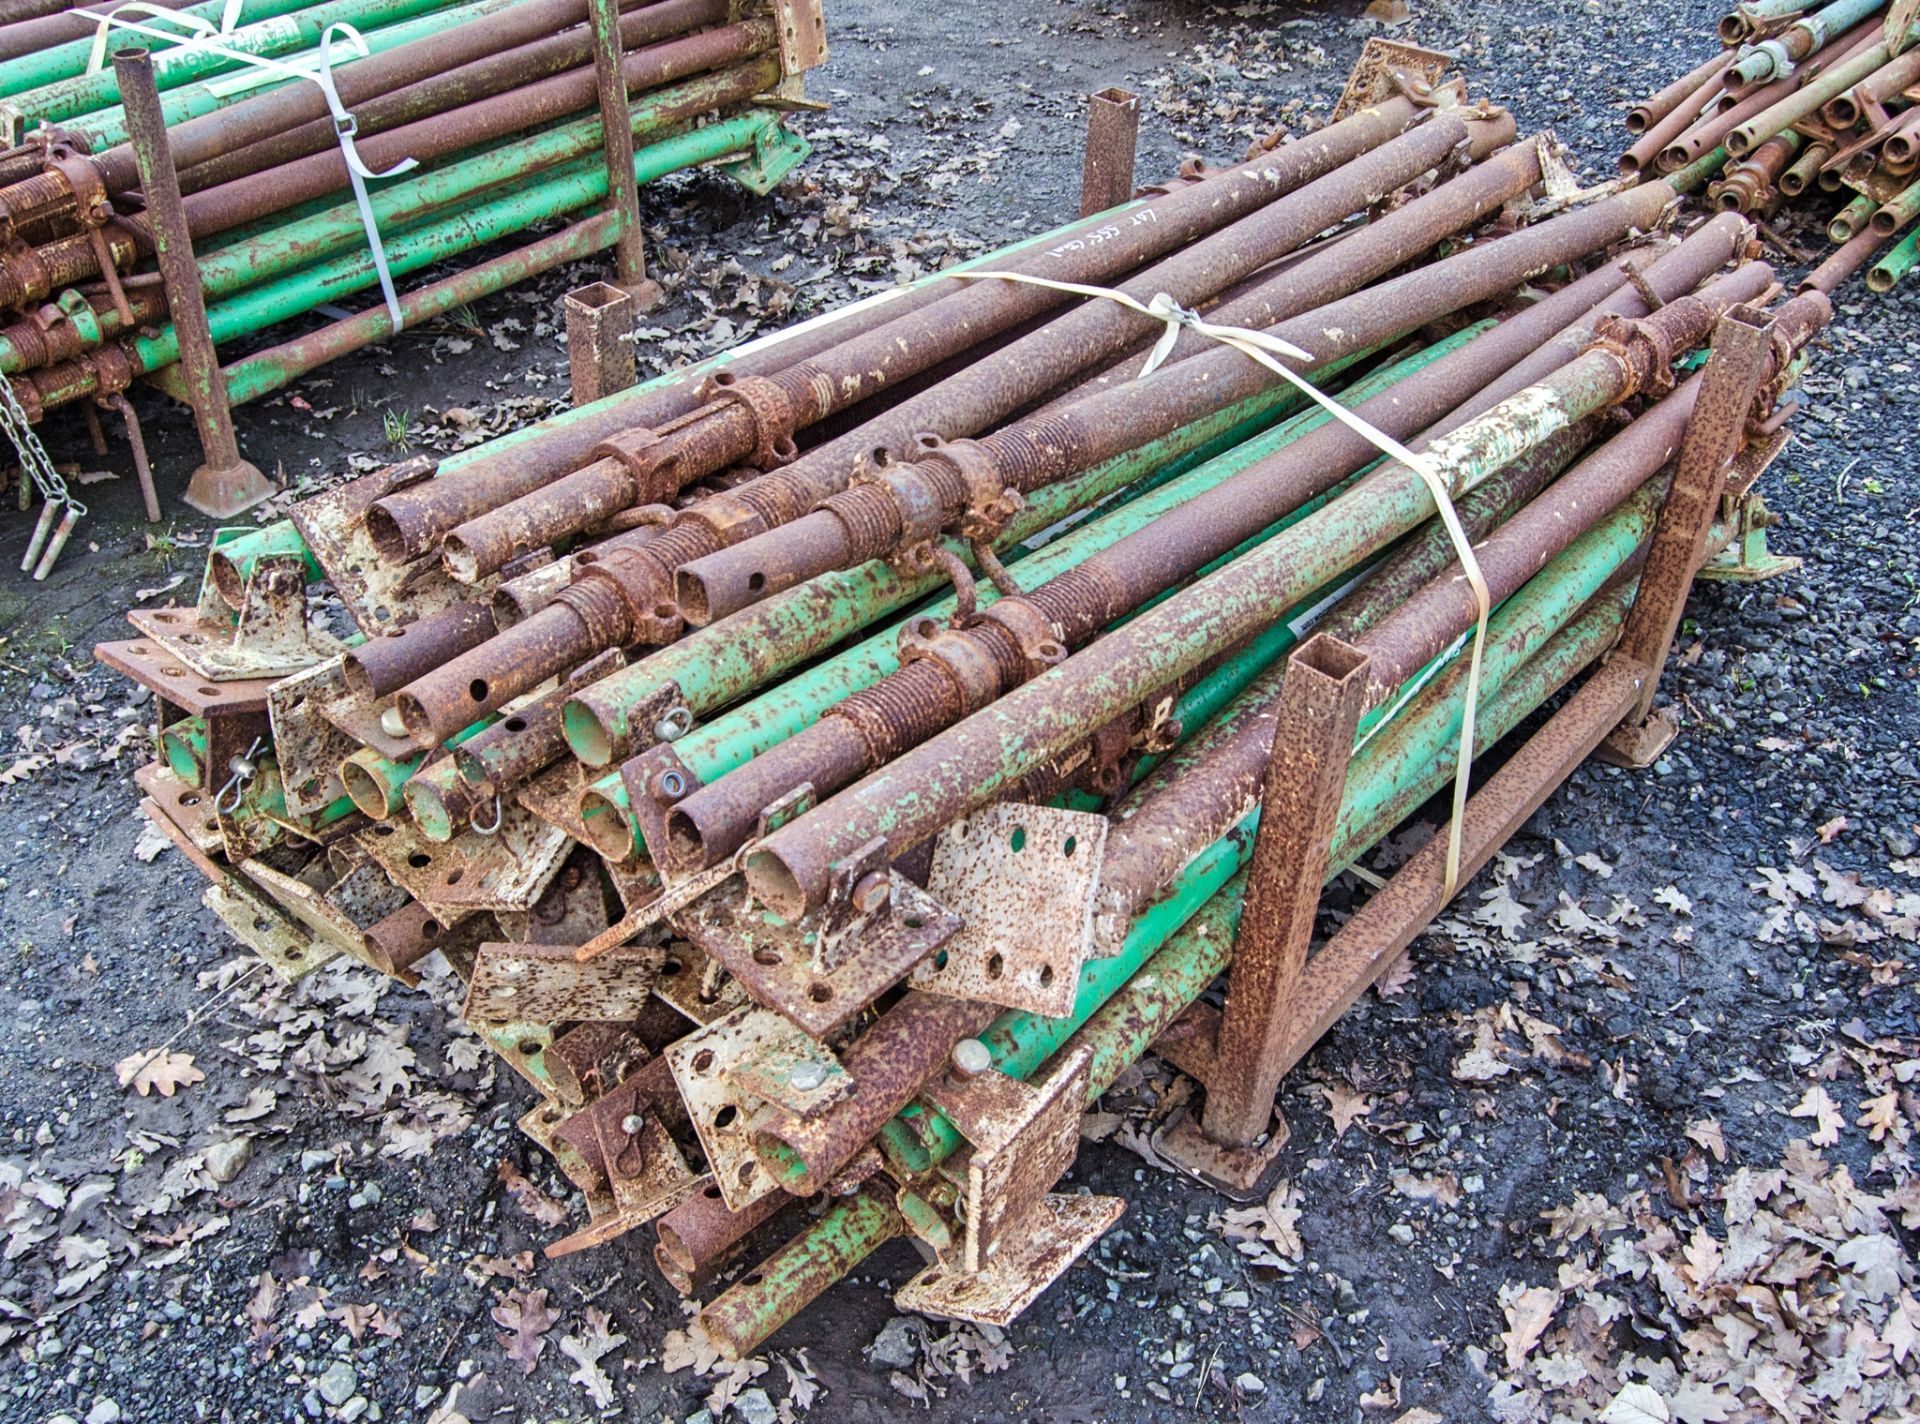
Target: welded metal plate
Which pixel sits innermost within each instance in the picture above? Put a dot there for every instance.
(696, 987)
(703, 1065)
(167, 677)
(1057, 1234)
(377, 593)
(1372, 76)
(1023, 879)
(1024, 1137)
(186, 809)
(779, 964)
(507, 870)
(522, 1046)
(545, 982)
(645, 1169)
(801, 26)
(308, 747)
(338, 914)
(270, 646)
(540, 1124)
(359, 718)
(257, 924)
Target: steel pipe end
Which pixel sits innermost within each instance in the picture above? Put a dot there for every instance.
(1885, 223)
(431, 811)
(366, 788)
(390, 540)
(609, 828)
(772, 882)
(461, 561)
(687, 849)
(589, 737)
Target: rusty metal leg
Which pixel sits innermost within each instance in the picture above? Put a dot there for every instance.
(225, 484)
(1300, 803)
(1739, 362)
(599, 355)
(138, 444)
(616, 123)
(1113, 130)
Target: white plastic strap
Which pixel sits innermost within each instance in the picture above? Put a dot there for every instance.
(1267, 349)
(316, 67)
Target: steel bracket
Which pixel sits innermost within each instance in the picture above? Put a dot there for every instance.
(776, 151)
(308, 747)
(257, 923)
(695, 986)
(1023, 880)
(1245, 1173)
(1384, 68)
(338, 911)
(508, 870)
(1057, 1233)
(646, 1173)
(823, 970)
(725, 1072)
(1024, 1139)
(546, 983)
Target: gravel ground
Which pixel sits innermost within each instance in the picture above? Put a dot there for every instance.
(1676, 980)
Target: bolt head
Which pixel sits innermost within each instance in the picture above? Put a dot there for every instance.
(808, 1076)
(971, 1058)
(632, 1123)
(872, 892)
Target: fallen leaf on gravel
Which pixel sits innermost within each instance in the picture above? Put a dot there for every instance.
(1671, 897)
(1481, 1063)
(1708, 1134)
(259, 1103)
(162, 1071)
(586, 1348)
(524, 1320)
(1817, 1105)
(529, 1198)
(1828, 830)
(687, 1347)
(1529, 1312)
(152, 841)
(1345, 1106)
(1593, 862)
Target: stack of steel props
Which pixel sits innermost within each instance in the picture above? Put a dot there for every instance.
(1802, 101)
(486, 116)
(861, 889)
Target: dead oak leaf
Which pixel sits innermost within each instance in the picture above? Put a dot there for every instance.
(524, 1320)
(548, 1211)
(1345, 1106)
(1708, 1134)
(585, 1348)
(1827, 1118)
(1528, 1312)
(160, 1071)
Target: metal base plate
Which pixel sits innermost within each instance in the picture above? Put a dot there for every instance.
(256, 923)
(1639, 745)
(508, 870)
(715, 1068)
(1023, 878)
(546, 983)
(308, 747)
(1056, 1235)
(775, 961)
(1242, 1173)
(377, 592)
(169, 679)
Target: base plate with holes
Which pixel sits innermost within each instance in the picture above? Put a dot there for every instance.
(545, 982)
(713, 1067)
(508, 870)
(645, 1169)
(1024, 1138)
(682, 985)
(540, 1125)
(774, 960)
(1023, 878)
(523, 1045)
(257, 924)
(187, 809)
(281, 644)
(1242, 1173)
(167, 678)
(308, 747)
(1055, 1235)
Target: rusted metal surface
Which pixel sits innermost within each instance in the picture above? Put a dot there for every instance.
(1305, 775)
(225, 484)
(697, 1238)
(385, 663)
(546, 983)
(600, 318)
(1113, 132)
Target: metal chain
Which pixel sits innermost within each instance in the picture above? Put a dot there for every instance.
(33, 455)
